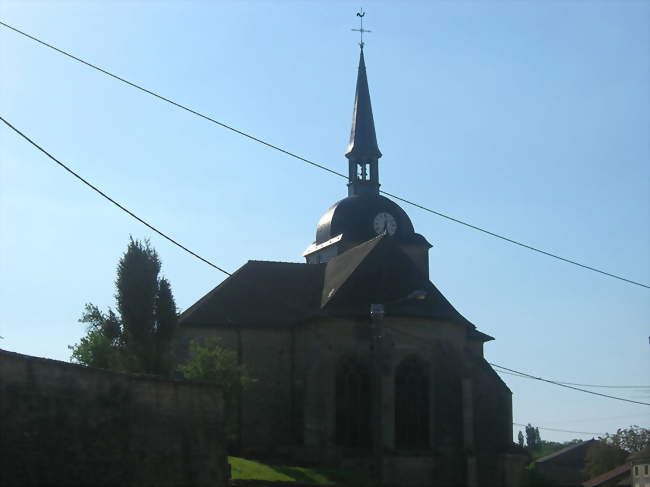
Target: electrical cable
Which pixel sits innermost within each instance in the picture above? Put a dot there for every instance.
(562, 431)
(175, 242)
(576, 384)
(121, 207)
(531, 376)
(567, 386)
(321, 166)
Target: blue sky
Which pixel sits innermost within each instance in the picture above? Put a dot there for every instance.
(527, 118)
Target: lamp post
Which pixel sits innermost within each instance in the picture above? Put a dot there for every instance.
(377, 313)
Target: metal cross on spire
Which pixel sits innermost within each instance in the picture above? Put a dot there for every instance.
(361, 30)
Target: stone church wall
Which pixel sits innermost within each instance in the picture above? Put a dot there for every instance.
(266, 410)
(65, 424)
(264, 418)
(291, 410)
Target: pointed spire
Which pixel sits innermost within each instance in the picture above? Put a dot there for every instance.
(363, 140)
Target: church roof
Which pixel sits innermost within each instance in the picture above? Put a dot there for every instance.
(260, 294)
(263, 294)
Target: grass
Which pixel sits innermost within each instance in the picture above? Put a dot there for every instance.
(243, 469)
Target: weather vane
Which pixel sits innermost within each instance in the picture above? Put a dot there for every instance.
(361, 30)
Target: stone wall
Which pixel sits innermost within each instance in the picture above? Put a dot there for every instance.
(65, 424)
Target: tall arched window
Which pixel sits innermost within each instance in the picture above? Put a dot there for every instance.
(412, 404)
(353, 413)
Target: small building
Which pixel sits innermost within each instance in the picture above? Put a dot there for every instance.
(565, 467)
(357, 354)
(640, 463)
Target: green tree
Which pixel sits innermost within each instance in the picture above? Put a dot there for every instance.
(520, 439)
(141, 338)
(101, 346)
(601, 457)
(166, 320)
(209, 361)
(632, 439)
(533, 440)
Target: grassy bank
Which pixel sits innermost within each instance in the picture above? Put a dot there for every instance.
(243, 469)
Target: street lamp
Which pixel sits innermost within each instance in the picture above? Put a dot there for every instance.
(377, 313)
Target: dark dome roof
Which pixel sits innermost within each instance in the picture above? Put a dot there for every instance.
(354, 216)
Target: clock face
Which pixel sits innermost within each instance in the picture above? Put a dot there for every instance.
(385, 222)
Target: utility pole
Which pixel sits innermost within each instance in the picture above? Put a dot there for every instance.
(377, 313)
(377, 325)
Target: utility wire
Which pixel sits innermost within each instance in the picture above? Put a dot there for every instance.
(121, 207)
(321, 166)
(607, 418)
(528, 375)
(576, 384)
(515, 242)
(567, 386)
(562, 431)
(194, 254)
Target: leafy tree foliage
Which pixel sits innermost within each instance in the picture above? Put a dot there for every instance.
(101, 345)
(211, 362)
(520, 439)
(602, 457)
(140, 338)
(632, 439)
(166, 317)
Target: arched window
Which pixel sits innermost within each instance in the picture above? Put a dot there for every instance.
(412, 404)
(353, 413)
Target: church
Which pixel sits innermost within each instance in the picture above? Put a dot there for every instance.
(358, 359)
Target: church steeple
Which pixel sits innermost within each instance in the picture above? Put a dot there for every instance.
(363, 153)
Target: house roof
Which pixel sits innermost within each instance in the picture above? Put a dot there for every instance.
(568, 454)
(286, 294)
(640, 456)
(619, 473)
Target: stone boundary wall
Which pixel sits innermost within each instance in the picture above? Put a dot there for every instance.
(66, 424)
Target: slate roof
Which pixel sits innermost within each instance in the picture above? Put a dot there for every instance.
(353, 217)
(261, 294)
(363, 139)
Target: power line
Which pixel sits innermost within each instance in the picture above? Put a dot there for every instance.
(121, 207)
(515, 242)
(607, 418)
(562, 431)
(567, 386)
(194, 254)
(576, 384)
(530, 376)
(321, 166)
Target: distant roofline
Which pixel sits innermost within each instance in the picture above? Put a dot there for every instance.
(564, 450)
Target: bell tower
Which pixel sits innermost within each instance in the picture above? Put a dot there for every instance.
(363, 153)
